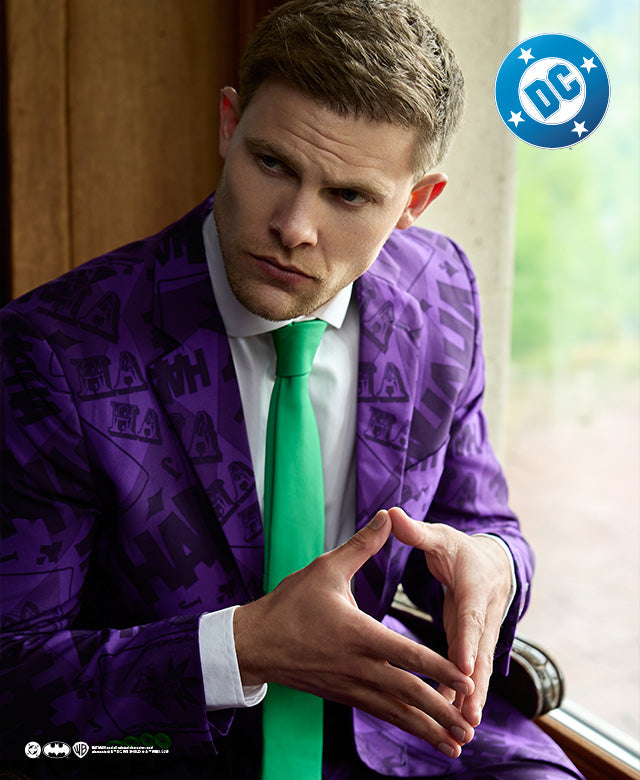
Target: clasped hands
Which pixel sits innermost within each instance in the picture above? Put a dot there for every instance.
(309, 634)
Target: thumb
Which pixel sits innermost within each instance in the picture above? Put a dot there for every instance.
(434, 538)
(408, 531)
(369, 540)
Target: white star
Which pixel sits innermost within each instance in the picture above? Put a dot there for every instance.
(588, 64)
(579, 129)
(516, 118)
(526, 56)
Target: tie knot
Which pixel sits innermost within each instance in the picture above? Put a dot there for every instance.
(296, 346)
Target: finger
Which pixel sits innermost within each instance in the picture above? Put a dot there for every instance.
(464, 645)
(357, 550)
(411, 720)
(416, 693)
(447, 693)
(464, 615)
(443, 726)
(378, 641)
(474, 704)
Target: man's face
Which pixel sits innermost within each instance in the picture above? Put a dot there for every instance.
(307, 198)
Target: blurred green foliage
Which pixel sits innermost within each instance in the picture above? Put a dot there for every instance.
(577, 276)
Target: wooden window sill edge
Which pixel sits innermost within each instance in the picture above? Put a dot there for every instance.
(599, 751)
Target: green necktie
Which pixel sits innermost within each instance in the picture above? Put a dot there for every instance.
(294, 536)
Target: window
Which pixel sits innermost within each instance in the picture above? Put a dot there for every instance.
(573, 426)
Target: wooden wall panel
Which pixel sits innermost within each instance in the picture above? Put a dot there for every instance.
(112, 122)
(36, 125)
(143, 83)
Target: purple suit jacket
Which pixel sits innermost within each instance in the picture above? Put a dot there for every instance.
(129, 498)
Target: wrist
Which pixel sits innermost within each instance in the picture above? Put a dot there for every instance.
(246, 635)
(504, 563)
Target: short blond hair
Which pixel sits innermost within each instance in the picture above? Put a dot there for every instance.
(381, 59)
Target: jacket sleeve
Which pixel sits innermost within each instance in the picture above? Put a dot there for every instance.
(63, 680)
(472, 494)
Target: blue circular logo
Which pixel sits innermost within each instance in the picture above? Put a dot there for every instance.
(552, 91)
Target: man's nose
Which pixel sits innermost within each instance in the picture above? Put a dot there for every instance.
(295, 220)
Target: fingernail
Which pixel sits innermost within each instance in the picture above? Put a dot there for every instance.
(447, 749)
(378, 520)
(461, 687)
(459, 733)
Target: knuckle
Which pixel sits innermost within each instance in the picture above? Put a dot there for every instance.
(413, 695)
(359, 541)
(475, 618)
(395, 715)
(414, 656)
(487, 658)
(320, 565)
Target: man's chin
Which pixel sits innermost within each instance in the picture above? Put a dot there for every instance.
(276, 305)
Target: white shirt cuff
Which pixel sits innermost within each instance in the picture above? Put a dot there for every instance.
(220, 673)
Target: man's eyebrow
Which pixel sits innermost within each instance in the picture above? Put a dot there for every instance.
(374, 189)
(267, 147)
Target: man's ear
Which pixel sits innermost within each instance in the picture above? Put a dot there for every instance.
(422, 194)
(229, 118)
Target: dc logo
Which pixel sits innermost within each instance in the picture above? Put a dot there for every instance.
(552, 91)
(32, 749)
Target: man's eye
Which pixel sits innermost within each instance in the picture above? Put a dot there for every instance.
(352, 196)
(272, 163)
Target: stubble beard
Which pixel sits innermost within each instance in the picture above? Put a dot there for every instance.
(276, 303)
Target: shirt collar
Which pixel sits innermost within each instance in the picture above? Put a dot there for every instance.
(239, 322)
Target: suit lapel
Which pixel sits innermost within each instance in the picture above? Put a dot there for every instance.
(390, 344)
(196, 382)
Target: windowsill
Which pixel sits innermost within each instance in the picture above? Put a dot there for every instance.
(597, 749)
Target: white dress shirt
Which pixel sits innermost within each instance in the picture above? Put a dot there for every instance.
(333, 390)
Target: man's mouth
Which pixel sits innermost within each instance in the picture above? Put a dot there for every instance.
(280, 270)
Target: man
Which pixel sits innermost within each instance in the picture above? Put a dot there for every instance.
(137, 398)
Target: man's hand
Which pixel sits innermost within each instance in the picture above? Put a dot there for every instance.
(477, 575)
(309, 634)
